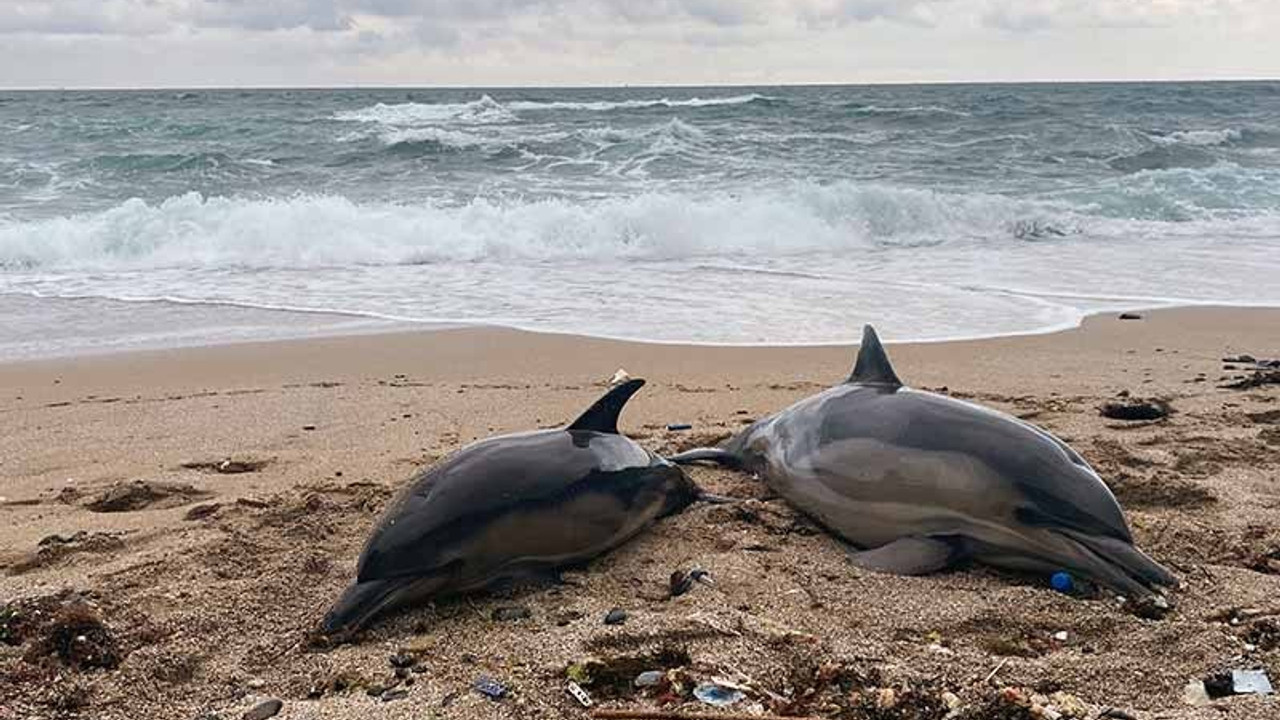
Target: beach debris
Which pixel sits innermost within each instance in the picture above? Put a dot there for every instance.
(619, 377)
(1152, 607)
(676, 427)
(402, 660)
(616, 616)
(229, 466)
(140, 494)
(263, 710)
(1061, 636)
(393, 694)
(1234, 682)
(490, 688)
(1062, 582)
(716, 694)
(1241, 359)
(577, 693)
(649, 678)
(308, 428)
(78, 637)
(1257, 379)
(1130, 316)
(511, 613)
(682, 581)
(1136, 409)
(202, 511)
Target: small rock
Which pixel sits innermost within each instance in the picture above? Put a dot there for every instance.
(256, 684)
(490, 688)
(616, 616)
(402, 660)
(886, 698)
(1135, 410)
(1242, 359)
(950, 699)
(511, 613)
(394, 694)
(1060, 636)
(717, 695)
(649, 678)
(264, 710)
(1130, 316)
(1195, 694)
(619, 377)
(682, 582)
(202, 511)
(1116, 714)
(1155, 607)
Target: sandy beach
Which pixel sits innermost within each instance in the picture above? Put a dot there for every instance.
(207, 577)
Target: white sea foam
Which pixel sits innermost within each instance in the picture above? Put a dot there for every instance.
(310, 231)
(605, 105)
(1200, 138)
(486, 110)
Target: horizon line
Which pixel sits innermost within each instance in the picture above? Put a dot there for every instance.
(623, 86)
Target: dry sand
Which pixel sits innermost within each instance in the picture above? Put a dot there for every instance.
(207, 591)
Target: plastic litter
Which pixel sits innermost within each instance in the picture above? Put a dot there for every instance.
(575, 690)
(649, 678)
(1251, 682)
(1062, 582)
(717, 695)
(490, 688)
(679, 426)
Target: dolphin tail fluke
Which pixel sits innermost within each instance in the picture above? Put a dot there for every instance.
(715, 455)
(359, 604)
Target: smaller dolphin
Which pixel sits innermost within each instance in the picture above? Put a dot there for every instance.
(919, 481)
(512, 506)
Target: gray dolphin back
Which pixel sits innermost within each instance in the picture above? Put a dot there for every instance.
(511, 506)
(922, 480)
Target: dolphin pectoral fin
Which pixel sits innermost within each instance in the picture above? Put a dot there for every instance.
(913, 555)
(715, 455)
(602, 416)
(872, 366)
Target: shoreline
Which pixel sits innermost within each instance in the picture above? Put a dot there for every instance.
(355, 324)
(208, 580)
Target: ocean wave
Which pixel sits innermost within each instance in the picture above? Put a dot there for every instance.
(486, 110)
(1201, 138)
(907, 110)
(322, 231)
(673, 135)
(1164, 157)
(606, 105)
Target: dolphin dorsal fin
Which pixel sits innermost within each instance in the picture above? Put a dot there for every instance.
(873, 366)
(602, 416)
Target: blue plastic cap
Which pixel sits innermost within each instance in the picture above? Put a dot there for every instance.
(1061, 582)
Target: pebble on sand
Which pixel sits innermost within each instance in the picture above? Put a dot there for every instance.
(264, 710)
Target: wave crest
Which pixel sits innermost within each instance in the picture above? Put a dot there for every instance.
(320, 231)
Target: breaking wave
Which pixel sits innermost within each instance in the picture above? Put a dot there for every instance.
(322, 231)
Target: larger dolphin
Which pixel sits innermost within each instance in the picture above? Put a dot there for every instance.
(511, 506)
(918, 481)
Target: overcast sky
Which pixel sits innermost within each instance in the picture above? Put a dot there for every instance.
(146, 43)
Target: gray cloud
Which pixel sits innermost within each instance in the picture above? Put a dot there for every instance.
(615, 41)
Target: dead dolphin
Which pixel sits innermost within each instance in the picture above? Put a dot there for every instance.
(512, 506)
(918, 481)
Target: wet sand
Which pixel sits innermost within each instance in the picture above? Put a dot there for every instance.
(206, 581)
